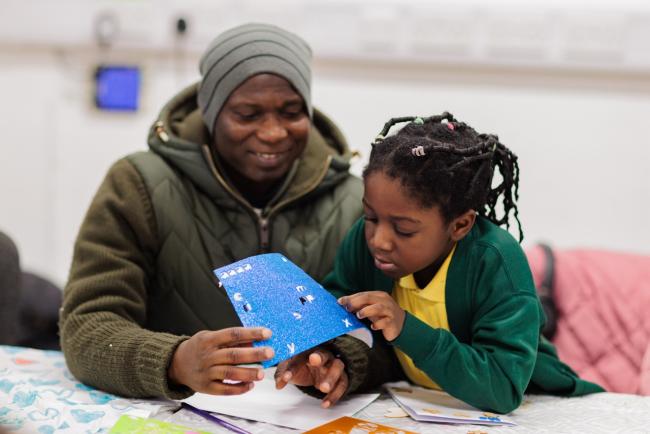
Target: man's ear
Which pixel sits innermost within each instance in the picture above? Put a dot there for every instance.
(461, 225)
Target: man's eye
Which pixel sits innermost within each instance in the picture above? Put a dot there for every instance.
(369, 219)
(247, 115)
(291, 114)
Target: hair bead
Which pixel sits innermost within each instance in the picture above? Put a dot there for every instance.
(418, 151)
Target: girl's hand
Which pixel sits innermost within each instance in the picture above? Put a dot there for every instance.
(380, 308)
(318, 368)
(205, 360)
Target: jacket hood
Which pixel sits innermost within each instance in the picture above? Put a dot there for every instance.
(180, 137)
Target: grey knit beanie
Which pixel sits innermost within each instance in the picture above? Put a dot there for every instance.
(250, 49)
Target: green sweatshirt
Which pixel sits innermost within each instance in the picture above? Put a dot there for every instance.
(494, 351)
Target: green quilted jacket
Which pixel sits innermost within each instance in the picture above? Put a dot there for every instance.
(141, 278)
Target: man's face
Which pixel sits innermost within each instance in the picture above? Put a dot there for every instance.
(261, 129)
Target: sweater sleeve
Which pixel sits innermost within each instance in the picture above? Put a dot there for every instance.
(105, 300)
(493, 370)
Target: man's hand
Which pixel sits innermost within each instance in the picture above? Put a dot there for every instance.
(207, 359)
(318, 368)
(380, 308)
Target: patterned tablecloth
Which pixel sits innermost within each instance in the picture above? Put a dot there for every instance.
(39, 395)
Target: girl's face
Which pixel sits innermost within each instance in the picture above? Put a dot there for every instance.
(403, 237)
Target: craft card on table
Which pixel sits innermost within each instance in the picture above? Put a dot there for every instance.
(352, 425)
(138, 425)
(426, 405)
(271, 291)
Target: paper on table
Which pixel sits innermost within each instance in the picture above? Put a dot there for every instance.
(141, 425)
(352, 425)
(428, 405)
(287, 407)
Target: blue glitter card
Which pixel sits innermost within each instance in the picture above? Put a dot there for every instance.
(271, 291)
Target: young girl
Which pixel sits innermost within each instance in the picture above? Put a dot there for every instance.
(429, 267)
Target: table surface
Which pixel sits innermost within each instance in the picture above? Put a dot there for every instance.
(39, 395)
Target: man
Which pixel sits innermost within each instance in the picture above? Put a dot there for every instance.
(239, 165)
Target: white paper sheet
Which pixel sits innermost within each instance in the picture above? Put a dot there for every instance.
(287, 407)
(426, 405)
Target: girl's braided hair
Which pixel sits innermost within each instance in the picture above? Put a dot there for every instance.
(443, 162)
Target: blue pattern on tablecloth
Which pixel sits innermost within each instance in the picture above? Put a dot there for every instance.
(39, 394)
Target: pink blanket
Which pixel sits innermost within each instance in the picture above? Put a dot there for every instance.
(603, 301)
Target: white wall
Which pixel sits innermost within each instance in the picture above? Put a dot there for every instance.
(584, 154)
(579, 133)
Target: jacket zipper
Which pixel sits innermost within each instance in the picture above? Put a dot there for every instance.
(264, 232)
(257, 216)
(308, 190)
(263, 219)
